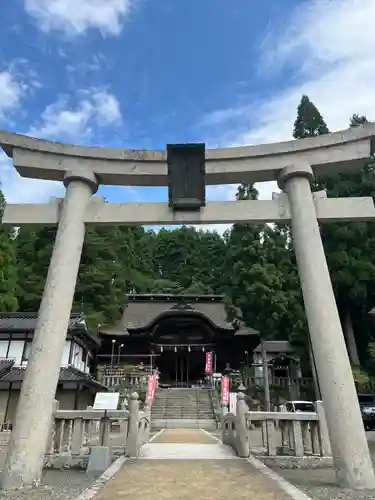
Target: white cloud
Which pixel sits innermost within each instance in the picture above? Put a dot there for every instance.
(333, 42)
(107, 107)
(17, 189)
(327, 47)
(10, 92)
(13, 86)
(75, 17)
(60, 120)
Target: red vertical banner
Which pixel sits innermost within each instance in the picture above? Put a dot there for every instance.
(224, 390)
(208, 368)
(151, 387)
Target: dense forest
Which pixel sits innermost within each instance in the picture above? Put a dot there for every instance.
(252, 265)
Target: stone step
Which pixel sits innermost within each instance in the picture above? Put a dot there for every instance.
(180, 423)
(183, 417)
(179, 405)
(185, 410)
(181, 401)
(182, 412)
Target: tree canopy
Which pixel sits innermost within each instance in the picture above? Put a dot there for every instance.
(8, 266)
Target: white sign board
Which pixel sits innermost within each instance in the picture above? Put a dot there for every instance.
(106, 400)
(232, 402)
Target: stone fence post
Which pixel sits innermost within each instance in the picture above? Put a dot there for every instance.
(133, 429)
(325, 443)
(51, 439)
(224, 411)
(242, 434)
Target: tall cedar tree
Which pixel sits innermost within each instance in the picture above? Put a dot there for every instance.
(350, 250)
(255, 276)
(8, 266)
(351, 265)
(309, 121)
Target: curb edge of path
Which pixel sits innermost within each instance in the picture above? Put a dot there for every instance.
(92, 490)
(287, 487)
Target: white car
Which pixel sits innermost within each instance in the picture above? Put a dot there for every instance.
(300, 406)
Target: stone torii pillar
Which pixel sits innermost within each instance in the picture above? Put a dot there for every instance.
(30, 434)
(348, 439)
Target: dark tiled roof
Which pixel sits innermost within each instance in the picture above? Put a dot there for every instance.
(67, 374)
(5, 365)
(23, 321)
(272, 346)
(26, 322)
(71, 374)
(143, 311)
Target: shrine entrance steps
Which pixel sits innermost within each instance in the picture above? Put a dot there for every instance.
(183, 409)
(189, 464)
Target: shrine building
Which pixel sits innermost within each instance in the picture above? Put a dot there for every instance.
(173, 333)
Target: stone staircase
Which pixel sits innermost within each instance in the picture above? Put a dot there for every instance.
(183, 409)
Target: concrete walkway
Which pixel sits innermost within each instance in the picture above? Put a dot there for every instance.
(189, 465)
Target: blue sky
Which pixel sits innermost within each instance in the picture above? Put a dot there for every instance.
(143, 73)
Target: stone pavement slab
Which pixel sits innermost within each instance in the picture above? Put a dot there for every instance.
(184, 436)
(190, 480)
(183, 444)
(180, 451)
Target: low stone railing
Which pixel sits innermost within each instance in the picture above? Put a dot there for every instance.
(291, 388)
(132, 381)
(276, 434)
(75, 432)
(116, 376)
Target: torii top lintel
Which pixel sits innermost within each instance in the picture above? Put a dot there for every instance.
(344, 150)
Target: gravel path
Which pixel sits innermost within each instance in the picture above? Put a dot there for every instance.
(190, 480)
(320, 484)
(180, 436)
(188, 464)
(60, 485)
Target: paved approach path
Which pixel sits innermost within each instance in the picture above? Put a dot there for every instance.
(189, 464)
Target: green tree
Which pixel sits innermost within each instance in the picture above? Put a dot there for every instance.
(8, 266)
(256, 278)
(34, 250)
(105, 272)
(189, 257)
(350, 251)
(309, 121)
(351, 264)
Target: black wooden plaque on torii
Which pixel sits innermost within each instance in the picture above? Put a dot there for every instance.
(186, 176)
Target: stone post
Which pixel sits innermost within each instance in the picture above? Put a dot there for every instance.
(223, 412)
(347, 435)
(266, 381)
(133, 429)
(242, 432)
(325, 444)
(32, 423)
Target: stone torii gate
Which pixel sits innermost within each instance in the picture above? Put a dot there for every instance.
(293, 164)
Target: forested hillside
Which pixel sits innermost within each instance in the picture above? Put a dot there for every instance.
(252, 265)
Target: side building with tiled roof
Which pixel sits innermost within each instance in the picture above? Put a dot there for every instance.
(76, 387)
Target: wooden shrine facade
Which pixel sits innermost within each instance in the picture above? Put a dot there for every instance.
(173, 333)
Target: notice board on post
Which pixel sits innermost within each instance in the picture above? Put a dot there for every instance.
(233, 402)
(106, 401)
